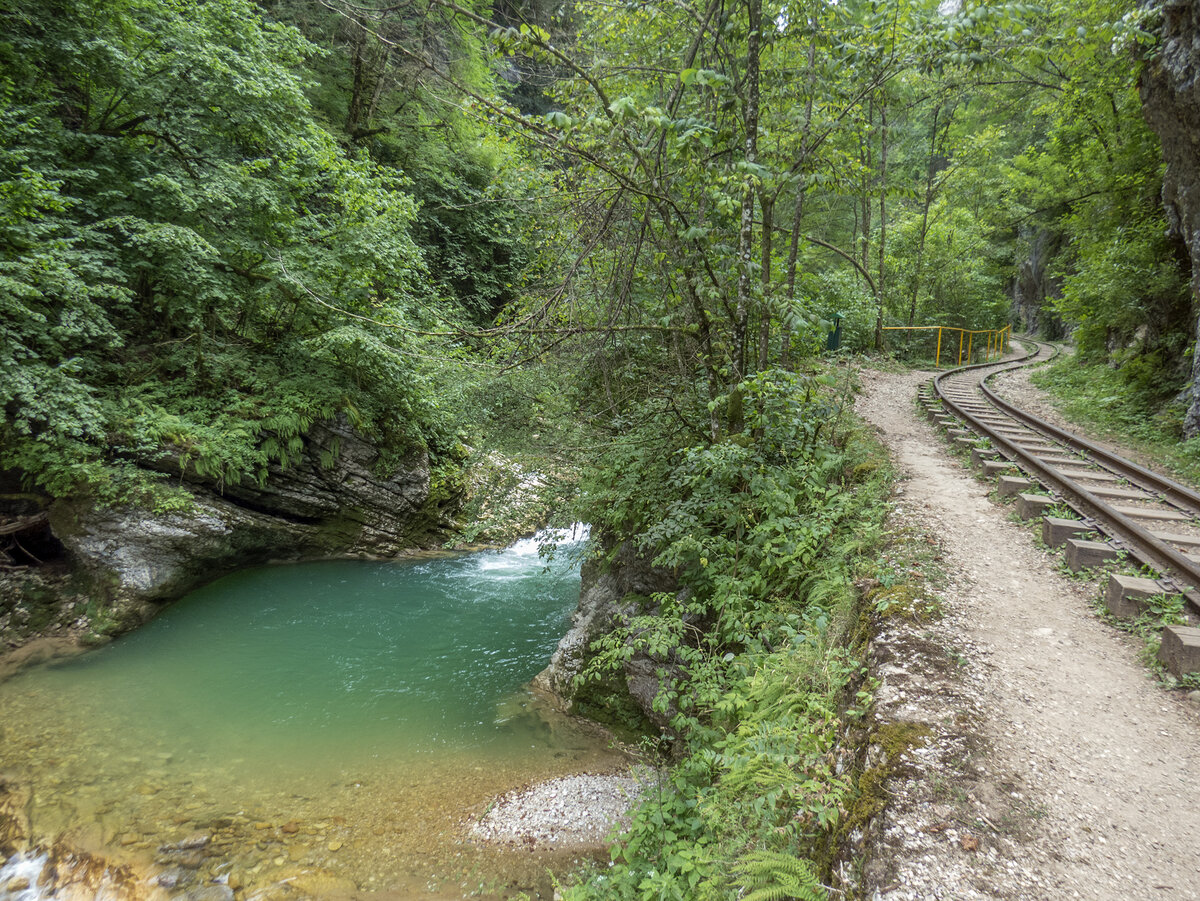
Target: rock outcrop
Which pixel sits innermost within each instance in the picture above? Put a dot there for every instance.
(332, 502)
(1034, 287)
(376, 513)
(612, 594)
(1170, 92)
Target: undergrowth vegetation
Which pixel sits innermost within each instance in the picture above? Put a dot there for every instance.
(759, 650)
(197, 264)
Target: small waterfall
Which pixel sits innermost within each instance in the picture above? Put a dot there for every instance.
(20, 877)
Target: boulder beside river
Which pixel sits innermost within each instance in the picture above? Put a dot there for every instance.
(616, 588)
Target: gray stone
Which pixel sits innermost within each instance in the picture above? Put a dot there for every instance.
(1180, 650)
(191, 843)
(1085, 554)
(209, 893)
(173, 877)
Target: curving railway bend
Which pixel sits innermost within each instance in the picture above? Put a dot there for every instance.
(1046, 760)
(1099, 506)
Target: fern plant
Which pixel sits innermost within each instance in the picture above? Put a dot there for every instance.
(773, 876)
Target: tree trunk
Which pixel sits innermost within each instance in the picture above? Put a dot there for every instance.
(924, 232)
(881, 282)
(764, 327)
(793, 256)
(362, 84)
(746, 233)
(785, 357)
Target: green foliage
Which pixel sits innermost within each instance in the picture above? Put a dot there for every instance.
(763, 533)
(1130, 404)
(767, 876)
(192, 270)
(1090, 177)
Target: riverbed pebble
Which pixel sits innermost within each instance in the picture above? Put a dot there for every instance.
(572, 811)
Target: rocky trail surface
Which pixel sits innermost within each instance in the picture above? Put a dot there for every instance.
(1046, 763)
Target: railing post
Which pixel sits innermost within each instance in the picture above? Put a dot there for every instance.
(937, 362)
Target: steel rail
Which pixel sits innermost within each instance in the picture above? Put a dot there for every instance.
(1176, 493)
(1124, 531)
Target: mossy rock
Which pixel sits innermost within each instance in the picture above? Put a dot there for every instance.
(905, 600)
(607, 701)
(871, 797)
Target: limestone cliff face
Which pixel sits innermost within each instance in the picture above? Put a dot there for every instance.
(134, 559)
(1034, 287)
(1170, 92)
(610, 596)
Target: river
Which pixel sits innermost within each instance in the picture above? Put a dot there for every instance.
(321, 729)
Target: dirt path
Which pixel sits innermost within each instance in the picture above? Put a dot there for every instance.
(1053, 767)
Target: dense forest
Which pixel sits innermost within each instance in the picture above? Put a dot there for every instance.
(615, 235)
(226, 221)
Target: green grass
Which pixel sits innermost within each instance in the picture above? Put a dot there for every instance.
(1103, 401)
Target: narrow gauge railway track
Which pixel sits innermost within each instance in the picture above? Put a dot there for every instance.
(1151, 519)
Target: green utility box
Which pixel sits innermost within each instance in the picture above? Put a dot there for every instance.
(834, 341)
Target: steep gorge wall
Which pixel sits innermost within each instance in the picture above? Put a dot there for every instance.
(1170, 92)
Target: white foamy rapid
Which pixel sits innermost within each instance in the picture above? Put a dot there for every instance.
(520, 556)
(23, 869)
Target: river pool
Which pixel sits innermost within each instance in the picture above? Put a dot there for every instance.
(320, 729)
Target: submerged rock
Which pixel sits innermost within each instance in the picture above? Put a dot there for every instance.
(209, 893)
(15, 802)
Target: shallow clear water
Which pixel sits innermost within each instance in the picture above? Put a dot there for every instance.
(367, 707)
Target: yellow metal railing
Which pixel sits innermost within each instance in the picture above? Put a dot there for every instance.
(997, 339)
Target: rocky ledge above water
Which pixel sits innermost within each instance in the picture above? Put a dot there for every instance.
(118, 565)
(614, 590)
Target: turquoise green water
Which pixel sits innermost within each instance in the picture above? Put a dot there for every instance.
(337, 658)
(371, 708)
